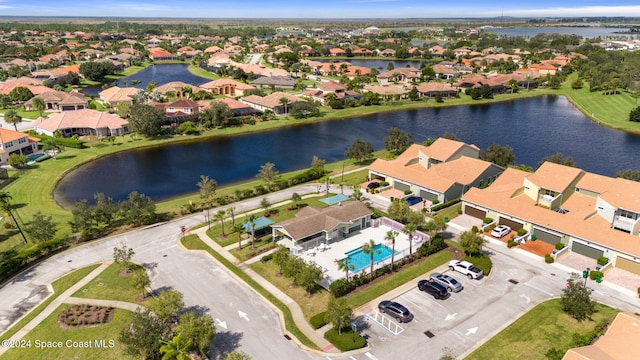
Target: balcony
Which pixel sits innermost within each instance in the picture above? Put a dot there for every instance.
(624, 223)
(548, 201)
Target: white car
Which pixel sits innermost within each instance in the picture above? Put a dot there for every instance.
(500, 231)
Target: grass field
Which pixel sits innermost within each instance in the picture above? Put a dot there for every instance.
(542, 328)
(50, 331)
(110, 286)
(59, 286)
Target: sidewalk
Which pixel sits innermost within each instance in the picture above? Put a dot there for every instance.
(63, 298)
(296, 312)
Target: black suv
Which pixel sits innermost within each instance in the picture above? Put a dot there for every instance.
(395, 310)
(436, 290)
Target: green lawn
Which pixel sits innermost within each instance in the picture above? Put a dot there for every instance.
(49, 331)
(196, 70)
(59, 286)
(542, 328)
(110, 286)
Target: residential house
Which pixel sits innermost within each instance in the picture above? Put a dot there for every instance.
(227, 87)
(81, 122)
(337, 52)
(16, 142)
(282, 82)
(116, 95)
(616, 342)
(60, 101)
(158, 54)
(431, 89)
(180, 110)
(386, 91)
(328, 225)
(405, 74)
(593, 215)
(272, 102)
(177, 88)
(443, 171)
(387, 53)
(237, 108)
(444, 72)
(340, 91)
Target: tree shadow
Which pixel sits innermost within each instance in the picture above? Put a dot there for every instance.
(150, 265)
(160, 290)
(224, 343)
(197, 309)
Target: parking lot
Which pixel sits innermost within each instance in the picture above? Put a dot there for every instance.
(465, 319)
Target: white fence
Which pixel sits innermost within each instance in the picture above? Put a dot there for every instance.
(385, 322)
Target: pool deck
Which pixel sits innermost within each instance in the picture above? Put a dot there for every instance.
(328, 258)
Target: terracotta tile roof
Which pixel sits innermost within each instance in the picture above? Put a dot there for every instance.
(176, 85)
(432, 86)
(226, 81)
(10, 135)
(554, 176)
(115, 93)
(331, 86)
(386, 89)
(232, 103)
(624, 194)
(443, 149)
(616, 344)
(272, 100)
(85, 118)
(310, 221)
(61, 97)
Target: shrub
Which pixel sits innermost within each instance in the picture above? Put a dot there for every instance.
(345, 341)
(559, 246)
(489, 228)
(487, 220)
(319, 320)
(521, 232)
(548, 258)
(639, 292)
(474, 229)
(407, 192)
(266, 258)
(603, 260)
(341, 287)
(435, 202)
(594, 273)
(445, 204)
(511, 243)
(384, 183)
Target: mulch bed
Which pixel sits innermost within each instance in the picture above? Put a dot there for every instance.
(79, 316)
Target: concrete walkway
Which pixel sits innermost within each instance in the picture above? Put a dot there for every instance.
(54, 305)
(296, 311)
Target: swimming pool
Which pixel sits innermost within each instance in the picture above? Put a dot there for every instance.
(34, 157)
(360, 260)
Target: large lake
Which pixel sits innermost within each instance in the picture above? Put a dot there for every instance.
(585, 32)
(535, 128)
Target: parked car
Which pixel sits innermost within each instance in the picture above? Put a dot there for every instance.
(412, 200)
(466, 268)
(447, 281)
(433, 288)
(395, 310)
(373, 185)
(500, 231)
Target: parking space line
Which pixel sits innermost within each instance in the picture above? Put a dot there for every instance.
(370, 356)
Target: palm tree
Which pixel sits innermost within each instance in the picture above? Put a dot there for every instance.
(238, 229)
(409, 229)
(38, 104)
(252, 218)
(528, 78)
(50, 144)
(12, 117)
(284, 101)
(513, 85)
(220, 217)
(346, 266)
(370, 249)
(176, 349)
(5, 205)
(391, 236)
(231, 212)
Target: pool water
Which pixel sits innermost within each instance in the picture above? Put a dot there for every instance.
(360, 260)
(34, 157)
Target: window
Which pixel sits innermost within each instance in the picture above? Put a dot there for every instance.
(8, 144)
(628, 214)
(22, 140)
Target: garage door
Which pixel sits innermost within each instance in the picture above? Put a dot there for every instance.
(475, 212)
(629, 265)
(514, 225)
(400, 186)
(428, 195)
(546, 236)
(586, 250)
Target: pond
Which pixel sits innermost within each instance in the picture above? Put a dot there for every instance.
(160, 74)
(534, 128)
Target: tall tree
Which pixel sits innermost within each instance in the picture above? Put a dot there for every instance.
(38, 104)
(360, 150)
(252, 225)
(501, 155)
(218, 114)
(576, 299)
(220, 215)
(200, 330)
(140, 280)
(168, 305)
(12, 117)
(284, 102)
(409, 229)
(369, 248)
(207, 188)
(317, 163)
(6, 206)
(559, 158)
(146, 120)
(345, 266)
(122, 255)
(268, 173)
(397, 140)
(42, 228)
(339, 313)
(238, 228)
(391, 236)
(472, 242)
(144, 335)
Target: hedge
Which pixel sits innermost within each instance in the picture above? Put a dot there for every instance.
(445, 204)
(66, 142)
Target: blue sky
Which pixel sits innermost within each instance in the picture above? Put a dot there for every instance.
(320, 8)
